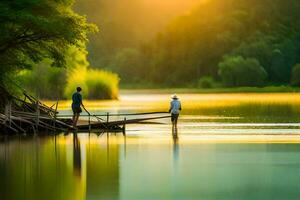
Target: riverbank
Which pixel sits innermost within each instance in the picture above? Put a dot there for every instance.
(269, 89)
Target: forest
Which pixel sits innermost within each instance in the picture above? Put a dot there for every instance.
(163, 44)
(219, 43)
(240, 42)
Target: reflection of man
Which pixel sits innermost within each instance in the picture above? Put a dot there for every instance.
(76, 155)
(175, 109)
(77, 102)
(175, 148)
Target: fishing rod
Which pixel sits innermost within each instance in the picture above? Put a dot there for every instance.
(89, 114)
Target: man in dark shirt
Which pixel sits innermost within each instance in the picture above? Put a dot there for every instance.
(76, 103)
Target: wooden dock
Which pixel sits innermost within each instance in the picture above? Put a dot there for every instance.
(30, 116)
(112, 126)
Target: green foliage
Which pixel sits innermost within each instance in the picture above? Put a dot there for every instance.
(126, 23)
(34, 30)
(43, 80)
(102, 84)
(237, 71)
(76, 58)
(125, 64)
(76, 78)
(193, 45)
(276, 54)
(206, 82)
(55, 83)
(77, 65)
(96, 84)
(295, 80)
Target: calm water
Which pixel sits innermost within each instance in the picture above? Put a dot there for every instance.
(229, 146)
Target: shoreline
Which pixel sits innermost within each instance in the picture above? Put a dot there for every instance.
(271, 89)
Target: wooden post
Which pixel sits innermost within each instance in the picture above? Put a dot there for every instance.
(90, 123)
(55, 115)
(107, 120)
(124, 127)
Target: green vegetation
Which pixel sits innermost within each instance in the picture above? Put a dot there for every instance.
(34, 30)
(126, 24)
(195, 45)
(295, 81)
(55, 83)
(206, 82)
(96, 84)
(219, 43)
(42, 44)
(237, 72)
(43, 80)
(263, 34)
(102, 84)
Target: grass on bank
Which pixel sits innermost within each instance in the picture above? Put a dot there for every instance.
(50, 83)
(96, 84)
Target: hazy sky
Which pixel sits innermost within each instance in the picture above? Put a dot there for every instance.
(138, 18)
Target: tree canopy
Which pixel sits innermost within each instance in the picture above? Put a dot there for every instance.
(34, 30)
(237, 71)
(198, 48)
(127, 23)
(193, 45)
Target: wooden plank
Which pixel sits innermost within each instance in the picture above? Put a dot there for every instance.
(115, 124)
(116, 115)
(133, 121)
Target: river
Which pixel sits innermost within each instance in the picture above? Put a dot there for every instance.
(229, 146)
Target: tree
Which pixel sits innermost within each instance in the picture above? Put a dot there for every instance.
(127, 64)
(295, 80)
(191, 46)
(238, 71)
(206, 82)
(51, 80)
(33, 30)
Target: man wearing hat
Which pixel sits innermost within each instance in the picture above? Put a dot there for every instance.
(175, 109)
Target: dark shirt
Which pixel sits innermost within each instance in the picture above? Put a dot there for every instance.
(77, 99)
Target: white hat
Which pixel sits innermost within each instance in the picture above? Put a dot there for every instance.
(174, 96)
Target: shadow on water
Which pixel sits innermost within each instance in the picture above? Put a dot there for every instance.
(175, 145)
(76, 156)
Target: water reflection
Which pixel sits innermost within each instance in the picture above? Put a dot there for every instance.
(70, 167)
(102, 171)
(175, 146)
(154, 163)
(76, 155)
(80, 169)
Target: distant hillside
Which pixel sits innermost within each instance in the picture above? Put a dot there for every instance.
(127, 23)
(223, 39)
